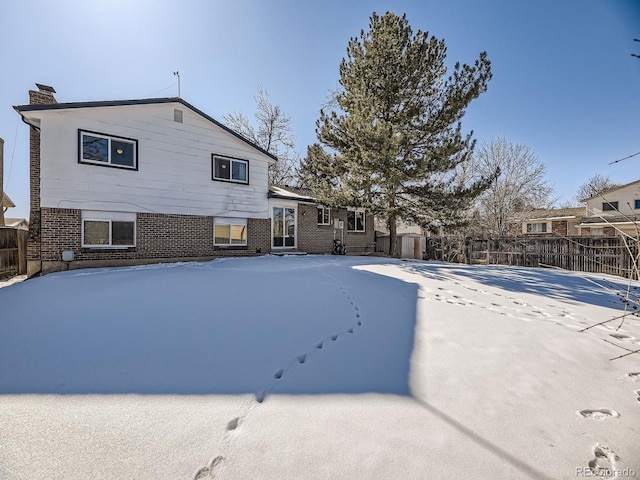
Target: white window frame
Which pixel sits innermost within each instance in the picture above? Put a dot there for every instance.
(536, 227)
(325, 211)
(284, 206)
(596, 231)
(110, 138)
(231, 161)
(355, 220)
(230, 222)
(110, 217)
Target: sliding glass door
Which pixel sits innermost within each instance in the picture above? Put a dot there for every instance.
(283, 229)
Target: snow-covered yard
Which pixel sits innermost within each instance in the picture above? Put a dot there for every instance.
(316, 367)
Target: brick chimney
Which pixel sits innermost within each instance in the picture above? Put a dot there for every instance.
(43, 96)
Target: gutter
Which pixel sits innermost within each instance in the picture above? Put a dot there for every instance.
(24, 119)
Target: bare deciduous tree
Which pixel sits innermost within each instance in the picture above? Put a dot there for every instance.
(595, 185)
(520, 187)
(272, 132)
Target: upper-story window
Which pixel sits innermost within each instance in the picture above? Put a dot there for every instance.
(229, 169)
(609, 206)
(637, 207)
(107, 150)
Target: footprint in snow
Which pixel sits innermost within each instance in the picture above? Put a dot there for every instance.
(233, 424)
(209, 470)
(600, 414)
(605, 462)
(631, 377)
(621, 336)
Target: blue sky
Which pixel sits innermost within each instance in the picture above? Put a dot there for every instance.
(564, 82)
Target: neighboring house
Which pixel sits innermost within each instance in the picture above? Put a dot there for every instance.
(139, 181)
(19, 223)
(301, 223)
(5, 203)
(614, 212)
(549, 222)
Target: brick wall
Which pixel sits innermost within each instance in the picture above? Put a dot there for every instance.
(559, 227)
(314, 238)
(158, 236)
(33, 243)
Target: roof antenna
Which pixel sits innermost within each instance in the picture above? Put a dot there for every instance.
(177, 74)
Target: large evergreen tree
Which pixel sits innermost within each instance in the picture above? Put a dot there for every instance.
(396, 127)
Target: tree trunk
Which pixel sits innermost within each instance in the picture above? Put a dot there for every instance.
(393, 237)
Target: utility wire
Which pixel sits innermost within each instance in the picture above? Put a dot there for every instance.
(625, 158)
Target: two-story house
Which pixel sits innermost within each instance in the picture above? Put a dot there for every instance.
(137, 181)
(614, 212)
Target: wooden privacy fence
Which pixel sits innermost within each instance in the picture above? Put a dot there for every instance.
(13, 251)
(612, 255)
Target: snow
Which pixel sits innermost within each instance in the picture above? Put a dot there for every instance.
(316, 367)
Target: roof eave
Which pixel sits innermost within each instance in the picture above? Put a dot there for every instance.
(22, 109)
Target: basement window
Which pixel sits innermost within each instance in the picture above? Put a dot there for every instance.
(230, 232)
(108, 230)
(106, 150)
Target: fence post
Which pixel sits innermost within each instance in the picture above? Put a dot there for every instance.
(21, 243)
(624, 259)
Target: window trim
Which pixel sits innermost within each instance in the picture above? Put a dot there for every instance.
(215, 156)
(110, 220)
(324, 210)
(109, 137)
(610, 206)
(355, 222)
(231, 222)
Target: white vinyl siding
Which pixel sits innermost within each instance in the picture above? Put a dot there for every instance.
(623, 198)
(174, 164)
